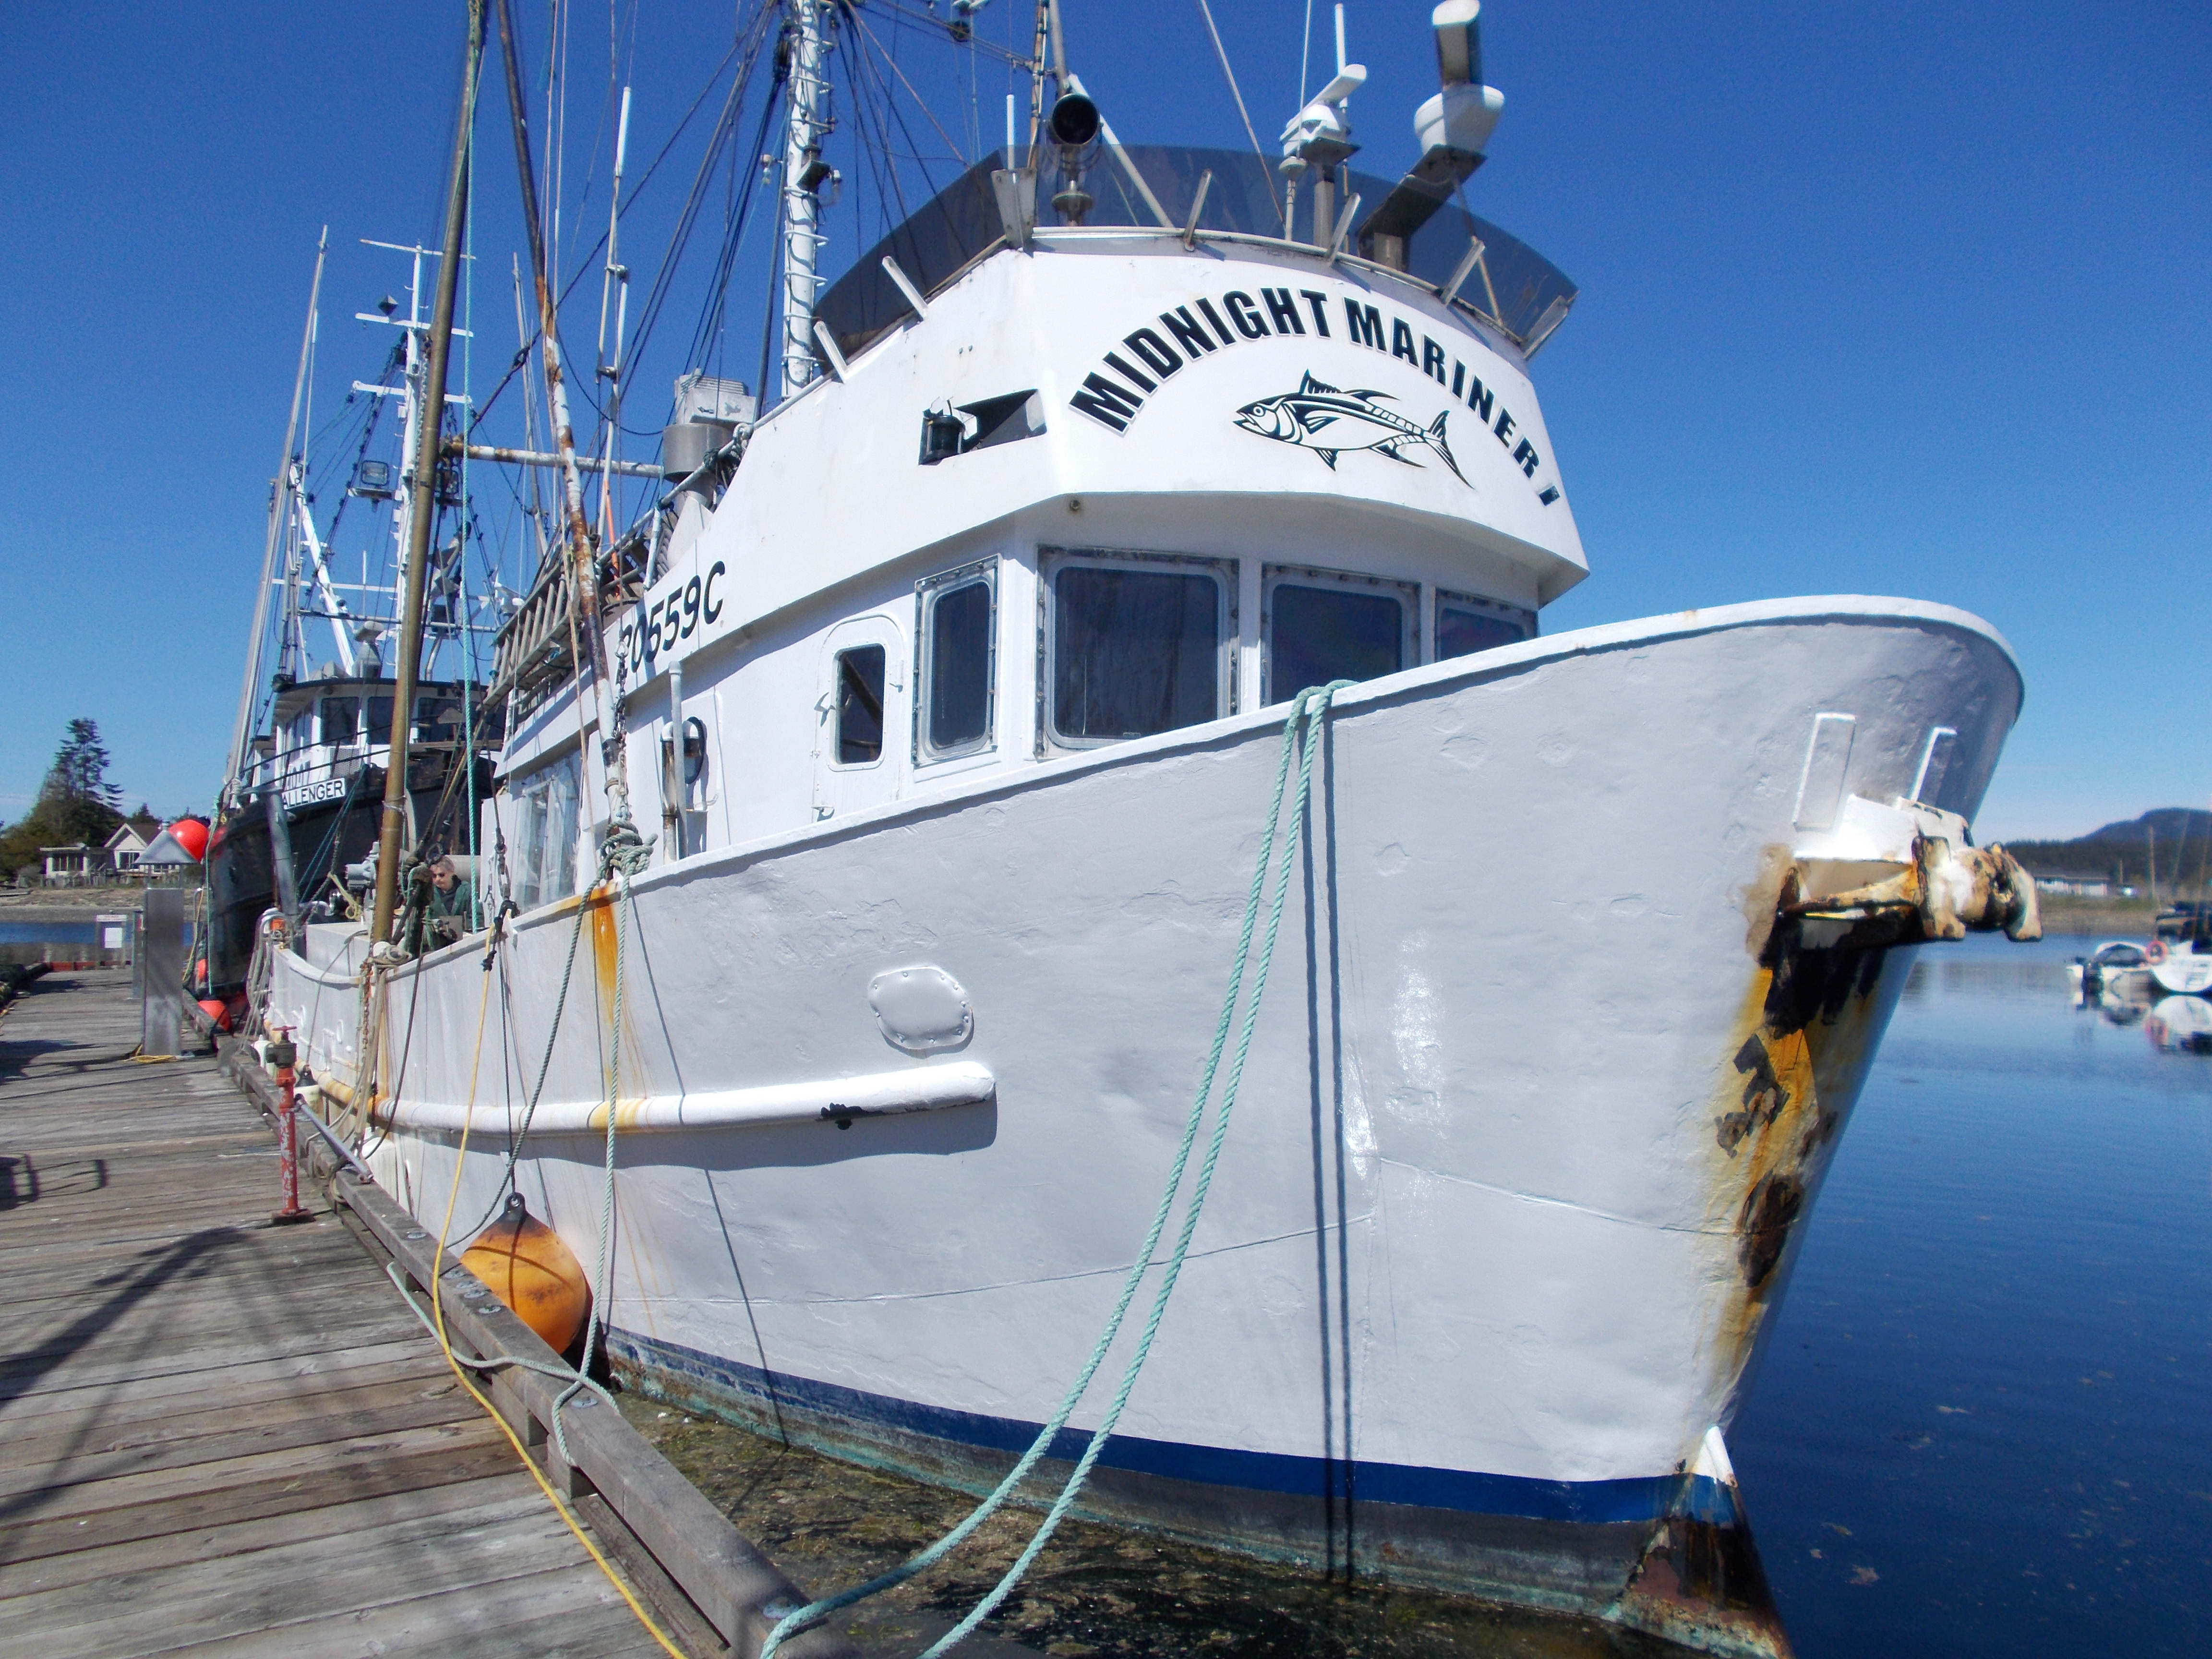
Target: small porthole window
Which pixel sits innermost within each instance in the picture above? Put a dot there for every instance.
(958, 628)
(861, 706)
(1466, 625)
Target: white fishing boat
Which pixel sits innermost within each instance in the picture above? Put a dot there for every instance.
(2114, 963)
(2174, 970)
(2180, 972)
(880, 896)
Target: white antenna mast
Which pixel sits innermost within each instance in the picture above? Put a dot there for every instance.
(610, 368)
(804, 170)
(1319, 138)
(243, 730)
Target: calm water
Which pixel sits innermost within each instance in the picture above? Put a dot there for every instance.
(1985, 1425)
(49, 932)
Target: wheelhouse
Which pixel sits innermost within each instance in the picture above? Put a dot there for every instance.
(954, 554)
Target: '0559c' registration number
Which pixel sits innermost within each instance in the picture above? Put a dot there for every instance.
(676, 617)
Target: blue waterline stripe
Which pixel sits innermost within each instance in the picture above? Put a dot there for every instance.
(1642, 1499)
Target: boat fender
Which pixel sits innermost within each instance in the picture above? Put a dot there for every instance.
(523, 1263)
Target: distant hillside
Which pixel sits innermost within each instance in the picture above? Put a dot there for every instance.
(2183, 836)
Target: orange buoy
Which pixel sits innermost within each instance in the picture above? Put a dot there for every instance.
(218, 1014)
(524, 1263)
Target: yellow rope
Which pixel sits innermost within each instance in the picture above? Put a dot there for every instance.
(438, 1312)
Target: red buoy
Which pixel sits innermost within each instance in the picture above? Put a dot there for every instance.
(216, 1012)
(191, 835)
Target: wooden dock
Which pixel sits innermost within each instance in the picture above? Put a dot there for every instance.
(219, 1435)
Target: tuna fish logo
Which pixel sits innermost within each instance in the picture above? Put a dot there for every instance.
(1328, 422)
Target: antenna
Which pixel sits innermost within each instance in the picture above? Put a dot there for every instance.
(1320, 136)
(616, 280)
(1452, 129)
(1462, 117)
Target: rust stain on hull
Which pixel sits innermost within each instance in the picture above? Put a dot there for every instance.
(599, 908)
(1796, 1054)
(1803, 1037)
(1702, 1587)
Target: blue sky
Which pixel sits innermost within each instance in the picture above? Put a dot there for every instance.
(1889, 299)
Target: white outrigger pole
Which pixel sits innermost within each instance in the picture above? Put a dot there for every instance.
(803, 173)
(278, 504)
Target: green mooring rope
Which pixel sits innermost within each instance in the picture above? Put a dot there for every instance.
(1309, 710)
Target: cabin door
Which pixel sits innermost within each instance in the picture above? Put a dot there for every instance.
(861, 715)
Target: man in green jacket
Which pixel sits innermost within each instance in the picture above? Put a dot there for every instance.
(452, 911)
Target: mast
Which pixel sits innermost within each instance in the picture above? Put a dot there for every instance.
(423, 491)
(278, 501)
(583, 575)
(803, 173)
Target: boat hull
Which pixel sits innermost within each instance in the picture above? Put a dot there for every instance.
(1538, 1102)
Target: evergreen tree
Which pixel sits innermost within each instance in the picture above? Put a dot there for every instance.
(76, 802)
(79, 775)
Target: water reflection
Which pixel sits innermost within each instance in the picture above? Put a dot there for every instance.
(2021, 975)
(2176, 1024)
(2180, 1026)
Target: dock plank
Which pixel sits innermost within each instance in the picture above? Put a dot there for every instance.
(220, 1437)
(130, 1426)
(186, 1603)
(336, 1521)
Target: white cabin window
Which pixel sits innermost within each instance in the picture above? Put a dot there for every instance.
(543, 862)
(958, 624)
(1466, 625)
(1319, 626)
(859, 695)
(1135, 646)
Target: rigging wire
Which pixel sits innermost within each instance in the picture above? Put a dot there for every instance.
(889, 105)
(1306, 55)
(738, 220)
(938, 26)
(726, 129)
(878, 152)
(1222, 52)
(871, 151)
(975, 110)
(529, 347)
(950, 143)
